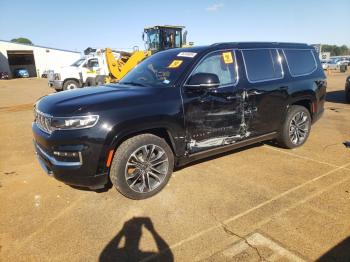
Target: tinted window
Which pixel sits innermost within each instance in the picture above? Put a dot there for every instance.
(161, 69)
(262, 64)
(300, 62)
(93, 63)
(222, 64)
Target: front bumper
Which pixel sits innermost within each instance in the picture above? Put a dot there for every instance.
(57, 84)
(84, 169)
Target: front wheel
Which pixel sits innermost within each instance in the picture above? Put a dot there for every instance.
(296, 127)
(70, 85)
(347, 95)
(142, 166)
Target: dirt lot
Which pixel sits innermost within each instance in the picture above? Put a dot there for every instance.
(258, 203)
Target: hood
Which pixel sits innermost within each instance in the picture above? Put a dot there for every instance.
(68, 69)
(93, 99)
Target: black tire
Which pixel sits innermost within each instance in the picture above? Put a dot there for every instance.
(347, 95)
(70, 85)
(91, 81)
(125, 164)
(288, 135)
(58, 90)
(100, 80)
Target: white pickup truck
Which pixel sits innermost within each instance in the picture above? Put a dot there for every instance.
(81, 73)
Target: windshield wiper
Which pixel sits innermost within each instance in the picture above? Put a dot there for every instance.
(132, 83)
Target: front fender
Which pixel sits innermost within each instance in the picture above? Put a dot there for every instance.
(127, 129)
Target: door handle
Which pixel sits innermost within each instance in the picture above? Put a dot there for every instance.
(284, 88)
(255, 92)
(231, 98)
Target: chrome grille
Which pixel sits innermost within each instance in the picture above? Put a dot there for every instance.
(50, 75)
(43, 121)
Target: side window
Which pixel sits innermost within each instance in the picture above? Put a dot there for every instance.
(93, 63)
(300, 62)
(177, 38)
(222, 64)
(262, 64)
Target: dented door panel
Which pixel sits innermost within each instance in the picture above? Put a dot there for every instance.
(212, 118)
(267, 98)
(217, 117)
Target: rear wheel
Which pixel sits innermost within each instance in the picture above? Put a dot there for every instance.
(142, 166)
(347, 96)
(296, 127)
(70, 85)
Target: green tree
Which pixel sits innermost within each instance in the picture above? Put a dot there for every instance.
(336, 50)
(22, 40)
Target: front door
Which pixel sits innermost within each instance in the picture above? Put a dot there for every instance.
(90, 68)
(213, 117)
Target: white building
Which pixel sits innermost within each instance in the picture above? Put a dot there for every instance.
(36, 59)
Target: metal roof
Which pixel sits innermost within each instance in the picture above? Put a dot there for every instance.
(65, 50)
(166, 26)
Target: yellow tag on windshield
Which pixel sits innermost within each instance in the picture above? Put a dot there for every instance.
(175, 64)
(227, 57)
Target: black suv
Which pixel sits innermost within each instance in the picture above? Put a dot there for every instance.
(177, 106)
(347, 89)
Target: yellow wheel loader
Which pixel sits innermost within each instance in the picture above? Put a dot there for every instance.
(156, 38)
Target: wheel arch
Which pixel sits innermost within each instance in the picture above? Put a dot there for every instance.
(307, 103)
(307, 100)
(72, 79)
(160, 131)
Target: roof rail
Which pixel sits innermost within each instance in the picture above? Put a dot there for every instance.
(258, 43)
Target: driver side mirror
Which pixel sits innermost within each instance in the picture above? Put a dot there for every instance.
(203, 81)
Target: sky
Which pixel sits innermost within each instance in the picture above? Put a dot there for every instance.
(76, 25)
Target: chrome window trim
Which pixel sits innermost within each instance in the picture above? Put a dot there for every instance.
(217, 51)
(205, 85)
(267, 79)
(306, 49)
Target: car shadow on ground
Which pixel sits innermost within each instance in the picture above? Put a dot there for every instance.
(131, 233)
(336, 97)
(209, 158)
(110, 185)
(107, 187)
(340, 252)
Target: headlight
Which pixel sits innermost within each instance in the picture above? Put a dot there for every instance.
(77, 122)
(57, 76)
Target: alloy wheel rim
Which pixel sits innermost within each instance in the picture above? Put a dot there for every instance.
(299, 128)
(146, 168)
(71, 87)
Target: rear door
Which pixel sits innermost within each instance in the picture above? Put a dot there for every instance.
(266, 89)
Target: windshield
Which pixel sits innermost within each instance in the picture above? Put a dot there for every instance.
(78, 62)
(153, 39)
(160, 70)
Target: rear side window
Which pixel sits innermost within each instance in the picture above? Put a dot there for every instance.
(262, 64)
(300, 62)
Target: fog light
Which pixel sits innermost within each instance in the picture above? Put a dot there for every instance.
(66, 154)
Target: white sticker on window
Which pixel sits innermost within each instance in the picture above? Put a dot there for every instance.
(187, 54)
